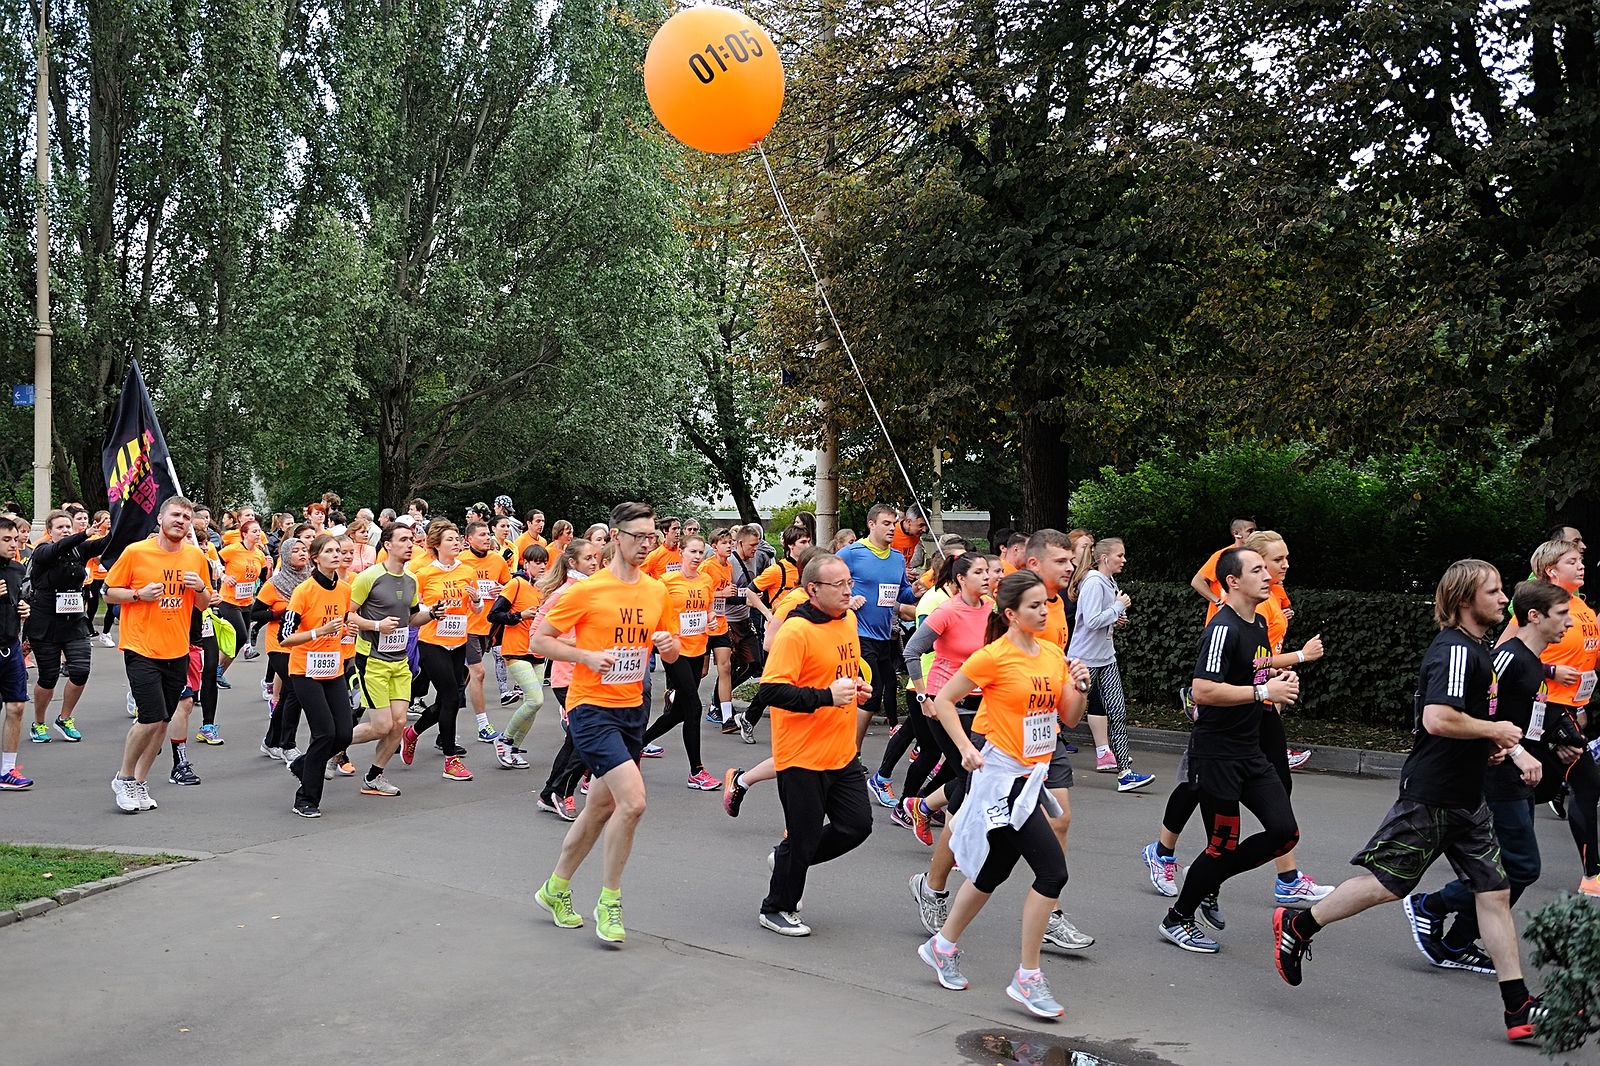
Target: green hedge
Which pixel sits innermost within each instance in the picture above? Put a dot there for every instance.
(1391, 522)
(1375, 642)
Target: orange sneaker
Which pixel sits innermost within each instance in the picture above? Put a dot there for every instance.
(1589, 886)
(456, 770)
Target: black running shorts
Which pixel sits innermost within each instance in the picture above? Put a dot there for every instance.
(1414, 834)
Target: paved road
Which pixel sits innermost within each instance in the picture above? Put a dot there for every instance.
(403, 931)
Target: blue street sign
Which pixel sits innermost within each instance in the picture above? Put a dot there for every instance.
(22, 396)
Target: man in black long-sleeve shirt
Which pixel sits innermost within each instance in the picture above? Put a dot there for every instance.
(13, 675)
(58, 628)
(812, 682)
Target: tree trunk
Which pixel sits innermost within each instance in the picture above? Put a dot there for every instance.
(91, 478)
(739, 489)
(394, 453)
(1043, 463)
(213, 482)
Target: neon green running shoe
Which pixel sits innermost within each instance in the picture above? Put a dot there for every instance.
(608, 921)
(559, 904)
(38, 733)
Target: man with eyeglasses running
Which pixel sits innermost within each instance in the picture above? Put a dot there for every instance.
(618, 617)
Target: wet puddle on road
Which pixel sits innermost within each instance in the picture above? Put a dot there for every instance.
(997, 1048)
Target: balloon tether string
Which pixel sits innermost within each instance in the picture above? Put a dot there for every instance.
(822, 292)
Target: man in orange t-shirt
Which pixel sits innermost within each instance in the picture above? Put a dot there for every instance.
(159, 583)
(812, 682)
(908, 531)
(491, 572)
(1205, 579)
(618, 618)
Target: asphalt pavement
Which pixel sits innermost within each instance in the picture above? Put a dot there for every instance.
(403, 930)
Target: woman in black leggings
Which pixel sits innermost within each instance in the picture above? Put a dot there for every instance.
(317, 616)
(689, 595)
(448, 590)
(268, 608)
(578, 560)
(951, 631)
(1028, 692)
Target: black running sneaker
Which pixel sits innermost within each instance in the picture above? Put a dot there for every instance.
(732, 792)
(1558, 806)
(183, 774)
(306, 810)
(1289, 947)
(1426, 931)
(1523, 1023)
(1211, 913)
(1472, 957)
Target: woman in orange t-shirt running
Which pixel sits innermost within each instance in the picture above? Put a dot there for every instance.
(690, 591)
(1029, 690)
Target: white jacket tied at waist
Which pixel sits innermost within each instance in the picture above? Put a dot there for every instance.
(988, 805)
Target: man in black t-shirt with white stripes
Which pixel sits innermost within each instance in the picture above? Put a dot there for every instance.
(1441, 810)
(1234, 685)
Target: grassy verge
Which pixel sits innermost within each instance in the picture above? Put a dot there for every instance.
(29, 872)
(1303, 732)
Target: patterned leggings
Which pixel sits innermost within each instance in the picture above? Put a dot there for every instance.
(526, 677)
(1105, 698)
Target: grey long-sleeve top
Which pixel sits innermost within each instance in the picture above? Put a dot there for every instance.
(1098, 611)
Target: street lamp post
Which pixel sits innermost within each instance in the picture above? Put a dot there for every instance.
(42, 450)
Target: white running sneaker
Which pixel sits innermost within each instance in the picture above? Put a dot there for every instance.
(143, 796)
(1298, 759)
(266, 691)
(1302, 892)
(133, 707)
(126, 794)
(108, 640)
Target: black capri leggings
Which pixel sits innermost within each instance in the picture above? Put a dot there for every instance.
(285, 721)
(1035, 842)
(327, 708)
(445, 669)
(567, 768)
(233, 614)
(682, 707)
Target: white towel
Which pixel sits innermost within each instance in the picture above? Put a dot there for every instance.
(988, 805)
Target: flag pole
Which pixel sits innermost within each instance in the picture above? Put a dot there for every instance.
(42, 451)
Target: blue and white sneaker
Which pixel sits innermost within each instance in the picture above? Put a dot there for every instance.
(488, 734)
(1129, 781)
(714, 716)
(1188, 935)
(1301, 892)
(1163, 870)
(651, 751)
(883, 790)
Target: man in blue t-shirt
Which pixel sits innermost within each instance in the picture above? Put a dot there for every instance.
(883, 591)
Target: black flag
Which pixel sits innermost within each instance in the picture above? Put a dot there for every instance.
(137, 466)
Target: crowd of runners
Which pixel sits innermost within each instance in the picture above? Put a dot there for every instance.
(381, 629)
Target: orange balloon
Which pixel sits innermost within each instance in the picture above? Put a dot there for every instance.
(714, 79)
